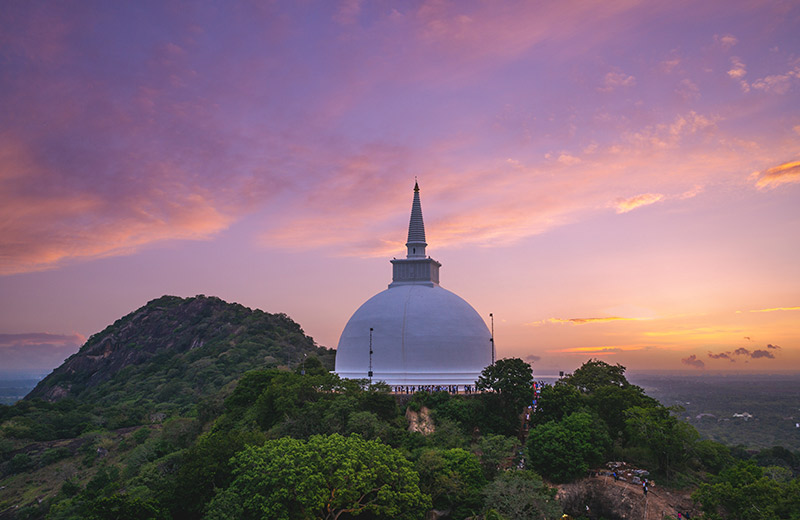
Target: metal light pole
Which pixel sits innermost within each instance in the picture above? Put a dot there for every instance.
(491, 315)
(370, 356)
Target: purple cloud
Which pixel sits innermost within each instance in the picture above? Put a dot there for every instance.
(755, 354)
(722, 355)
(693, 361)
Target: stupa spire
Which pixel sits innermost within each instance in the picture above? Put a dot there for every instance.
(416, 268)
(416, 228)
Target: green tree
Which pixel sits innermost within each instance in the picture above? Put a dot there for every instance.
(521, 495)
(668, 439)
(565, 450)
(611, 402)
(311, 365)
(557, 401)
(594, 374)
(507, 388)
(120, 506)
(454, 480)
(744, 492)
(494, 451)
(325, 477)
(510, 378)
(712, 455)
(206, 466)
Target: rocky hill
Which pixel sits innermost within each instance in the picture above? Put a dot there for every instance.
(177, 350)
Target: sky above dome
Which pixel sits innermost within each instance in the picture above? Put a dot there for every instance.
(614, 179)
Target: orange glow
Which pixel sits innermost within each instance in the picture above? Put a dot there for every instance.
(782, 174)
(775, 309)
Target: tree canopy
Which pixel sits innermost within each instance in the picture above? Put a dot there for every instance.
(564, 450)
(595, 373)
(322, 478)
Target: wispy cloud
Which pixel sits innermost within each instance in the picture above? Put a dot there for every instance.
(348, 12)
(614, 80)
(581, 321)
(37, 350)
(630, 204)
(773, 309)
(687, 89)
(777, 83)
(40, 338)
(726, 41)
(738, 71)
(697, 190)
(599, 350)
(786, 173)
(568, 159)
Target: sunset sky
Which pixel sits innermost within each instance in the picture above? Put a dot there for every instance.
(610, 179)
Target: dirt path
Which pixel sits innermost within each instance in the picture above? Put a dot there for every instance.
(622, 500)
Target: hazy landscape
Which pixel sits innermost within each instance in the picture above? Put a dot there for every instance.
(767, 405)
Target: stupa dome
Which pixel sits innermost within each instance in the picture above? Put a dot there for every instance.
(420, 333)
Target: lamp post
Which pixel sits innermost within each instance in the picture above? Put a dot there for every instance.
(370, 356)
(491, 315)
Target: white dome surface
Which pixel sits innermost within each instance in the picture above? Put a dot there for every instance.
(422, 335)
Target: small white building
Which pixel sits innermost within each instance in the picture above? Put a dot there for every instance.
(421, 333)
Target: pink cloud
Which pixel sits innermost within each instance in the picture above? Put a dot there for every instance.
(726, 41)
(690, 194)
(614, 80)
(645, 199)
(738, 69)
(348, 12)
(179, 144)
(45, 223)
(688, 89)
(777, 83)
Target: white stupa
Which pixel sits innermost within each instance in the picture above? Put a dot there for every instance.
(421, 333)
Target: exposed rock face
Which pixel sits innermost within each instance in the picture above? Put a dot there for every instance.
(617, 500)
(421, 421)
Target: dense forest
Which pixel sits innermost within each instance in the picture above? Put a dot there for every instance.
(196, 408)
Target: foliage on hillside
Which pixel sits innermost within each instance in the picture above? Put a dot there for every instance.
(171, 357)
(300, 443)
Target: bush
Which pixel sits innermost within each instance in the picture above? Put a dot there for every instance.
(565, 450)
(19, 463)
(53, 455)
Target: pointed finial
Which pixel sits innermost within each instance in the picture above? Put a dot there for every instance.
(416, 228)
